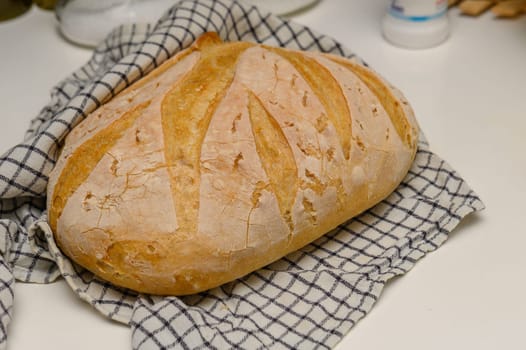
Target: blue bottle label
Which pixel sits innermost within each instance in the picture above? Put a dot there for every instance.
(418, 10)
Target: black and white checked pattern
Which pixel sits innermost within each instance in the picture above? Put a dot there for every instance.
(309, 299)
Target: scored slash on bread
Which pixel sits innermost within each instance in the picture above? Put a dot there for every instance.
(224, 159)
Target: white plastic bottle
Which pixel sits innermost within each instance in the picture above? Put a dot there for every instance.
(416, 23)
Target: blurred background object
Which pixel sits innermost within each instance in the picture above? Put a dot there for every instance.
(282, 7)
(499, 8)
(45, 4)
(87, 22)
(10, 9)
(13, 8)
(416, 24)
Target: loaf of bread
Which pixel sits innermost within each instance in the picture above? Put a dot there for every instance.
(222, 160)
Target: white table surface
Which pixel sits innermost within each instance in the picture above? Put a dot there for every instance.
(469, 96)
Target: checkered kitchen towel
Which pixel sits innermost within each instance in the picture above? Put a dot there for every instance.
(309, 299)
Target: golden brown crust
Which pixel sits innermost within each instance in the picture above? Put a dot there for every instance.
(224, 159)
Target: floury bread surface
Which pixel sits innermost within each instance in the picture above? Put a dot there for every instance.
(224, 159)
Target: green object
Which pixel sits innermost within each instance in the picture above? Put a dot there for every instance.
(45, 4)
(13, 8)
